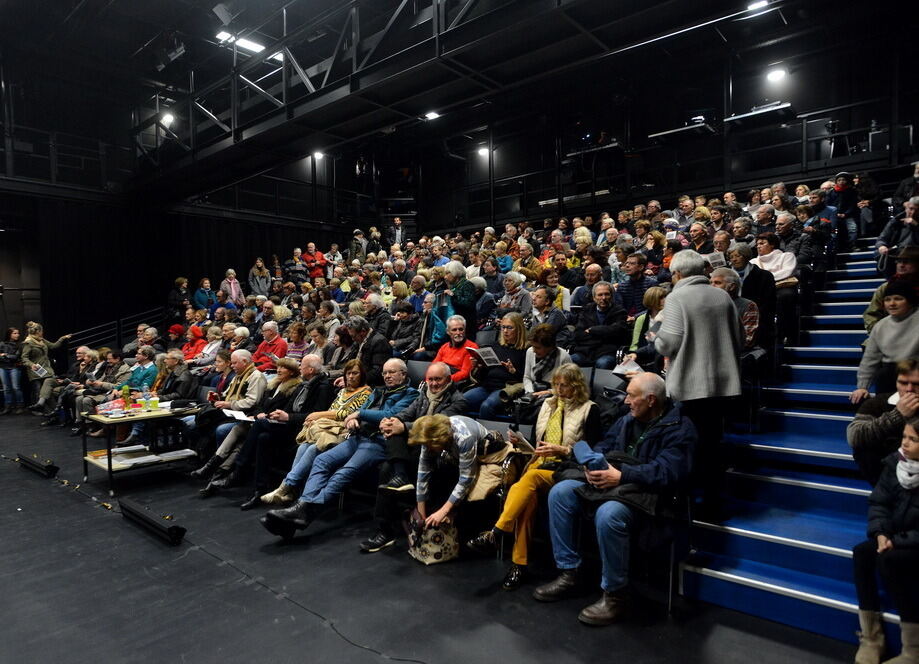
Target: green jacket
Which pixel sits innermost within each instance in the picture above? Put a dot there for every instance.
(35, 351)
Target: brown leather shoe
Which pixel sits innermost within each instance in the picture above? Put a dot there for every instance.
(610, 608)
(564, 586)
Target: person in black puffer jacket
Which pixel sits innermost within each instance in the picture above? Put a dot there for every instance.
(892, 548)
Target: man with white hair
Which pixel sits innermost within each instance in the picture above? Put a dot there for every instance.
(273, 348)
(661, 440)
(377, 314)
(729, 281)
(334, 470)
(765, 219)
(373, 350)
(701, 375)
(401, 271)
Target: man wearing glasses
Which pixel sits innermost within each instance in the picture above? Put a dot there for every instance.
(335, 469)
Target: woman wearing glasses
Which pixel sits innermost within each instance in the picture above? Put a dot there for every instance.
(565, 418)
(485, 397)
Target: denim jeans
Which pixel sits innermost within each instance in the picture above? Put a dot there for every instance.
(12, 391)
(334, 470)
(302, 465)
(484, 401)
(612, 521)
(603, 362)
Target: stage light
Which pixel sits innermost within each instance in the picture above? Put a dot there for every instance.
(483, 152)
(776, 75)
(759, 4)
(167, 119)
(140, 515)
(432, 115)
(318, 155)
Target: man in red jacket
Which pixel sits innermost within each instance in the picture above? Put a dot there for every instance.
(315, 261)
(454, 351)
(271, 349)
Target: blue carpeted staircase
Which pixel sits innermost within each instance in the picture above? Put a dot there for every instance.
(795, 502)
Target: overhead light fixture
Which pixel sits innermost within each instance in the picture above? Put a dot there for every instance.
(167, 119)
(759, 4)
(776, 75)
(483, 152)
(432, 115)
(318, 155)
(225, 37)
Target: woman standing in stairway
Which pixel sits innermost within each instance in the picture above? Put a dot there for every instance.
(892, 549)
(893, 339)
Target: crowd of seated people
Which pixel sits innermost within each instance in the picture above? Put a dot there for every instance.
(315, 349)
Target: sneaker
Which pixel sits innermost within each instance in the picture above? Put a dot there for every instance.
(398, 483)
(378, 542)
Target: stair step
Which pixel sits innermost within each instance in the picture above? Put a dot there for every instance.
(793, 447)
(860, 295)
(835, 283)
(809, 421)
(845, 338)
(855, 256)
(816, 603)
(853, 320)
(823, 353)
(839, 308)
(807, 543)
(815, 493)
(821, 374)
(820, 393)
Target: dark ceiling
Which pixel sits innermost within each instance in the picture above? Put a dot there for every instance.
(475, 63)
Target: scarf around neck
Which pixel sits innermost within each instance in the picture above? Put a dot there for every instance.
(907, 472)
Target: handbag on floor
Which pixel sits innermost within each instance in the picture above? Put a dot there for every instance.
(433, 545)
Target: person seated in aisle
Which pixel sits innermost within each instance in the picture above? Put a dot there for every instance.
(891, 552)
(875, 431)
(316, 431)
(437, 395)
(173, 381)
(546, 313)
(894, 338)
(805, 248)
(566, 417)
(487, 382)
(651, 447)
(900, 232)
(405, 333)
(273, 348)
(516, 297)
(729, 281)
(907, 271)
(601, 330)
(583, 295)
(757, 285)
(335, 470)
(453, 352)
(647, 324)
(783, 266)
(630, 293)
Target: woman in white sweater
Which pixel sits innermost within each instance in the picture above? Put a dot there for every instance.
(892, 339)
(782, 265)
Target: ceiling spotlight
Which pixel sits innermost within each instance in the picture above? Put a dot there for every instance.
(483, 152)
(432, 115)
(318, 155)
(759, 4)
(776, 75)
(167, 119)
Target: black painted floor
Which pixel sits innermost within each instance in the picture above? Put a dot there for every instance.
(80, 584)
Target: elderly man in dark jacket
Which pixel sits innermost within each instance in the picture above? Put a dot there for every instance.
(601, 330)
(651, 451)
(437, 396)
(374, 349)
(334, 470)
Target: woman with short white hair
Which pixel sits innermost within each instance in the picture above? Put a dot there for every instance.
(234, 291)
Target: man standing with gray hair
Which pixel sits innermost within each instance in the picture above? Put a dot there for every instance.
(701, 372)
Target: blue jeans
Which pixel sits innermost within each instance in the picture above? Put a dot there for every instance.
(603, 362)
(612, 522)
(487, 403)
(302, 465)
(334, 470)
(12, 390)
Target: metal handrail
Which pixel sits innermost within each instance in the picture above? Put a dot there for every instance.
(112, 333)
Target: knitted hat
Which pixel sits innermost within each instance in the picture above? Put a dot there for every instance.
(197, 332)
(902, 288)
(177, 330)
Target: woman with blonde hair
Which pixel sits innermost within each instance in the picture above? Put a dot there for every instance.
(400, 293)
(565, 418)
(350, 398)
(35, 355)
(485, 397)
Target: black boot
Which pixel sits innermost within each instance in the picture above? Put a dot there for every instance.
(218, 482)
(298, 516)
(205, 471)
(253, 501)
(515, 577)
(563, 586)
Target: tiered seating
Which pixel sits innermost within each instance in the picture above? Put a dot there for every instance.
(795, 503)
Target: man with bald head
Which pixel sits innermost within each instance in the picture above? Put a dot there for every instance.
(437, 395)
(583, 295)
(660, 441)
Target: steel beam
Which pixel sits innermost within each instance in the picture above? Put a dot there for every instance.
(392, 20)
(337, 51)
(267, 95)
(462, 13)
(213, 118)
(297, 68)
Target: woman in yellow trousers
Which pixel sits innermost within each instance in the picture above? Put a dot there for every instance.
(565, 418)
